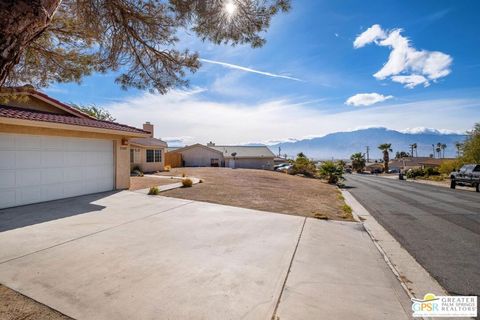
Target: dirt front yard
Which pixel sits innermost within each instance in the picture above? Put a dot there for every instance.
(262, 190)
(137, 183)
(14, 306)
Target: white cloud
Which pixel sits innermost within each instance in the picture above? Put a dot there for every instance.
(366, 99)
(237, 67)
(191, 117)
(405, 64)
(411, 81)
(370, 35)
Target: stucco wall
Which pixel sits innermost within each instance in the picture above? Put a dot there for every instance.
(200, 157)
(142, 160)
(122, 153)
(252, 163)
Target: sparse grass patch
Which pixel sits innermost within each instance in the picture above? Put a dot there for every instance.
(153, 191)
(320, 216)
(187, 183)
(347, 210)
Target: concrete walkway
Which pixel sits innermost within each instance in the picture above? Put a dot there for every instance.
(131, 256)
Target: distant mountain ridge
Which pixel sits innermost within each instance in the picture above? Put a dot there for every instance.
(341, 145)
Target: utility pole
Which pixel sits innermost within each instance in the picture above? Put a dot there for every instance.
(368, 154)
(411, 150)
(279, 150)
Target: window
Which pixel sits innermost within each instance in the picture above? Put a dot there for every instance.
(477, 168)
(132, 156)
(154, 155)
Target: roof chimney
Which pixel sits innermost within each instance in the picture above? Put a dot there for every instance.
(147, 126)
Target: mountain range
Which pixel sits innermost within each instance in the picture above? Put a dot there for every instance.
(341, 145)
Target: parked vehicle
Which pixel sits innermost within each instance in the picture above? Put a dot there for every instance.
(284, 168)
(468, 175)
(277, 166)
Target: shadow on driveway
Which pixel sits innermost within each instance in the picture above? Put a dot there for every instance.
(19, 217)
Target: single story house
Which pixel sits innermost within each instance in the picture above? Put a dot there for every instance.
(49, 150)
(211, 155)
(407, 163)
(148, 154)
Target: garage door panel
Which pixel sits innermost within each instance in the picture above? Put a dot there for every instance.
(28, 195)
(27, 159)
(52, 192)
(73, 174)
(52, 175)
(28, 142)
(73, 158)
(7, 142)
(7, 179)
(53, 143)
(28, 178)
(7, 197)
(42, 168)
(52, 159)
(7, 160)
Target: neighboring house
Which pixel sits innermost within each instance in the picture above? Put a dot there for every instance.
(407, 163)
(49, 150)
(147, 153)
(251, 157)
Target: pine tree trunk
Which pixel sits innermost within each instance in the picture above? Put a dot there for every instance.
(21, 22)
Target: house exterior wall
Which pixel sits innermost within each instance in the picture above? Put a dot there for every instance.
(200, 157)
(252, 163)
(142, 159)
(121, 156)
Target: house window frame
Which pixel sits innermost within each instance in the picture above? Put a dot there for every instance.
(153, 155)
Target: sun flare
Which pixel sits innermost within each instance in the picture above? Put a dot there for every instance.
(230, 8)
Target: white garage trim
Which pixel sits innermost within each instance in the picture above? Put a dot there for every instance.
(36, 168)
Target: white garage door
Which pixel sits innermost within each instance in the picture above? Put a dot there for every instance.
(42, 168)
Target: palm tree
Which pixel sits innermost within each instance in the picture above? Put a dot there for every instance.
(458, 145)
(386, 148)
(444, 146)
(439, 149)
(358, 162)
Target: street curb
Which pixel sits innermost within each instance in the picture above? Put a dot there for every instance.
(414, 279)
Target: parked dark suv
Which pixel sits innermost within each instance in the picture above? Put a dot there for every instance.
(468, 175)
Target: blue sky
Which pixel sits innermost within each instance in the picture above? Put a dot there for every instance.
(228, 102)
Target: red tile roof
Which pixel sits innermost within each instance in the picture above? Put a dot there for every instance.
(26, 114)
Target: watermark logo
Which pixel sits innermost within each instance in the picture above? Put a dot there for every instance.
(445, 306)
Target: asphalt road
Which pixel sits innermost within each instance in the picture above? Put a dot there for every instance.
(438, 226)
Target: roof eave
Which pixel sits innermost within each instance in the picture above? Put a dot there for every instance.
(61, 126)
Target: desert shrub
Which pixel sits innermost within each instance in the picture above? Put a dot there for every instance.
(431, 172)
(448, 166)
(154, 191)
(136, 171)
(167, 168)
(303, 165)
(414, 173)
(187, 183)
(331, 171)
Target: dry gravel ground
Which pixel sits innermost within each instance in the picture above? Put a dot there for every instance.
(14, 306)
(262, 190)
(137, 183)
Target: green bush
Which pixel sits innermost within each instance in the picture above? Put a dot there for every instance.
(154, 191)
(303, 165)
(448, 166)
(431, 172)
(414, 173)
(331, 171)
(187, 183)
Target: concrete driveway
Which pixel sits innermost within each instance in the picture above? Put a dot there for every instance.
(127, 255)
